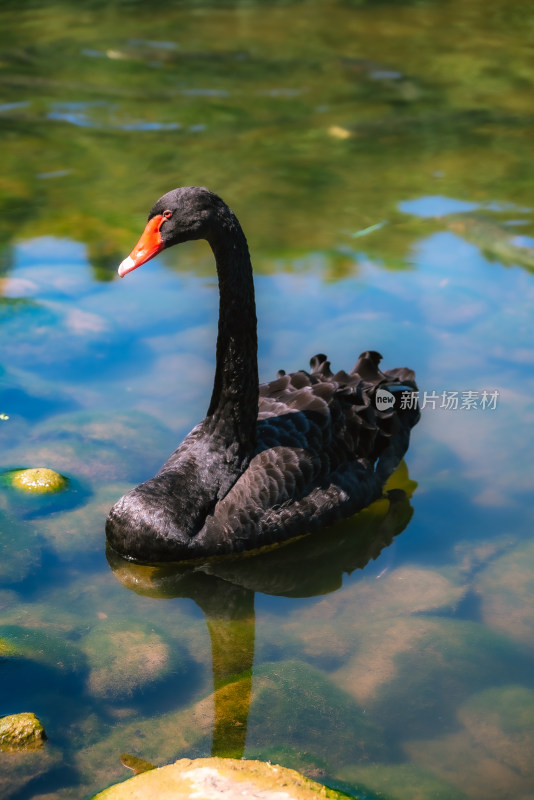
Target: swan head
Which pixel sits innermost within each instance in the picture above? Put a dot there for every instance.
(191, 212)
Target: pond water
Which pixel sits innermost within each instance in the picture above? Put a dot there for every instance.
(379, 157)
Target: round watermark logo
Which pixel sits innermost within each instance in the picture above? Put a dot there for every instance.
(384, 400)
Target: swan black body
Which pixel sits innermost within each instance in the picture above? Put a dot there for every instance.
(269, 462)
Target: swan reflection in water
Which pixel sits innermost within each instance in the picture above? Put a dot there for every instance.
(224, 590)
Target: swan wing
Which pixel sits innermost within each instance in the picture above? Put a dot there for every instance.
(324, 451)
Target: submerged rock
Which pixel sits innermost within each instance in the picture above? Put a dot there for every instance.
(213, 778)
(370, 647)
(505, 592)
(123, 660)
(39, 491)
(296, 717)
(21, 732)
(490, 756)
(21, 769)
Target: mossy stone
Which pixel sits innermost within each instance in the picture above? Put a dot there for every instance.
(39, 480)
(211, 778)
(21, 732)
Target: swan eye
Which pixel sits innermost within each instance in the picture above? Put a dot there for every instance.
(167, 214)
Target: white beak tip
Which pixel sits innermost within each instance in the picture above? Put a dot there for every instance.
(126, 266)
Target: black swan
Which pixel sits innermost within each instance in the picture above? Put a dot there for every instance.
(269, 462)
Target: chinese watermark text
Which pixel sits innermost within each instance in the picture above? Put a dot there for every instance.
(451, 400)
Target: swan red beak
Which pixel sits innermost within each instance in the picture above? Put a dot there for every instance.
(148, 246)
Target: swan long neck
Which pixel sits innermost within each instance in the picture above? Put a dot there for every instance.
(234, 402)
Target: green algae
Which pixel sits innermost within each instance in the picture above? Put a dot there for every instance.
(40, 480)
(401, 782)
(6, 648)
(42, 642)
(511, 707)
(20, 548)
(300, 710)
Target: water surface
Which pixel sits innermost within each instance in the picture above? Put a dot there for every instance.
(379, 158)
